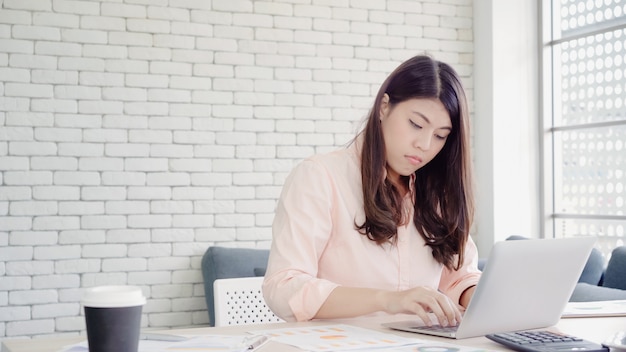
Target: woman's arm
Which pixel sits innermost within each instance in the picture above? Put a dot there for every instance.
(346, 302)
(459, 284)
(466, 296)
(301, 231)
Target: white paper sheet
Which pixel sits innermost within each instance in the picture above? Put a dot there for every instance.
(595, 309)
(213, 343)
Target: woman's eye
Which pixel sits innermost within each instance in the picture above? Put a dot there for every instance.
(443, 138)
(414, 124)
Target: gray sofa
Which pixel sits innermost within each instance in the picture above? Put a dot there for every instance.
(600, 282)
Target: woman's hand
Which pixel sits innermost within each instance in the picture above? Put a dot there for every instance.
(421, 301)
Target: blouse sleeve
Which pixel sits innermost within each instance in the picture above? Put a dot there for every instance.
(301, 230)
(454, 282)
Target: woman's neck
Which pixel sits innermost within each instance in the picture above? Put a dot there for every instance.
(401, 183)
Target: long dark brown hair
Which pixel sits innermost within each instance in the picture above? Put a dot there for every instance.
(444, 197)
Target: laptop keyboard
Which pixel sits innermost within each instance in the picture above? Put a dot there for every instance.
(439, 328)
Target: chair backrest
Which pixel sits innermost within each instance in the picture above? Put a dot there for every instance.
(239, 301)
(227, 262)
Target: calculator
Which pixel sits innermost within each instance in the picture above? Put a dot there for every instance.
(544, 341)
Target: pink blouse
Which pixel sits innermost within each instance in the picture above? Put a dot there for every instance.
(316, 248)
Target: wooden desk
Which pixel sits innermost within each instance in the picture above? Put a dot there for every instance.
(593, 329)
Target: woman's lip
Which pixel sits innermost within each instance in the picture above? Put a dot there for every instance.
(415, 160)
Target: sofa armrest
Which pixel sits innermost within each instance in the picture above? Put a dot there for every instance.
(584, 292)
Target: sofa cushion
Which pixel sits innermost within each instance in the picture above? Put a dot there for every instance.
(615, 275)
(594, 268)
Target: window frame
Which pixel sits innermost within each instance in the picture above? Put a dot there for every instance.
(548, 110)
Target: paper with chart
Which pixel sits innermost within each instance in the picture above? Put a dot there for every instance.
(342, 337)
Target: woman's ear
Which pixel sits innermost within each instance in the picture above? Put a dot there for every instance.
(384, 106)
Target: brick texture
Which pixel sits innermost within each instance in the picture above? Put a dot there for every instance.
(135, 134)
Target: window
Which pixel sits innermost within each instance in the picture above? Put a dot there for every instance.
(585, 120)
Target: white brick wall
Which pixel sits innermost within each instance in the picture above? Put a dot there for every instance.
(134, 134)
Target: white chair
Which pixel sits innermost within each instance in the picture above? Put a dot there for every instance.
(240, 301)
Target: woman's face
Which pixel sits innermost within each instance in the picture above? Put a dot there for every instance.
(415, 131)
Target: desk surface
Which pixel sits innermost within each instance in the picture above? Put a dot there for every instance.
(593, 329)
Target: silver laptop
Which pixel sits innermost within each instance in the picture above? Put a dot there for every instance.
(525, 285)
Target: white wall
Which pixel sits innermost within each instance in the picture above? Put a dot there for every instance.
(506, 120)
(136, 133)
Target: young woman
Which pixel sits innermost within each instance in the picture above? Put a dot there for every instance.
(382, 226)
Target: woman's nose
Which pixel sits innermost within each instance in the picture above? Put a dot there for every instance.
(423, 141)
